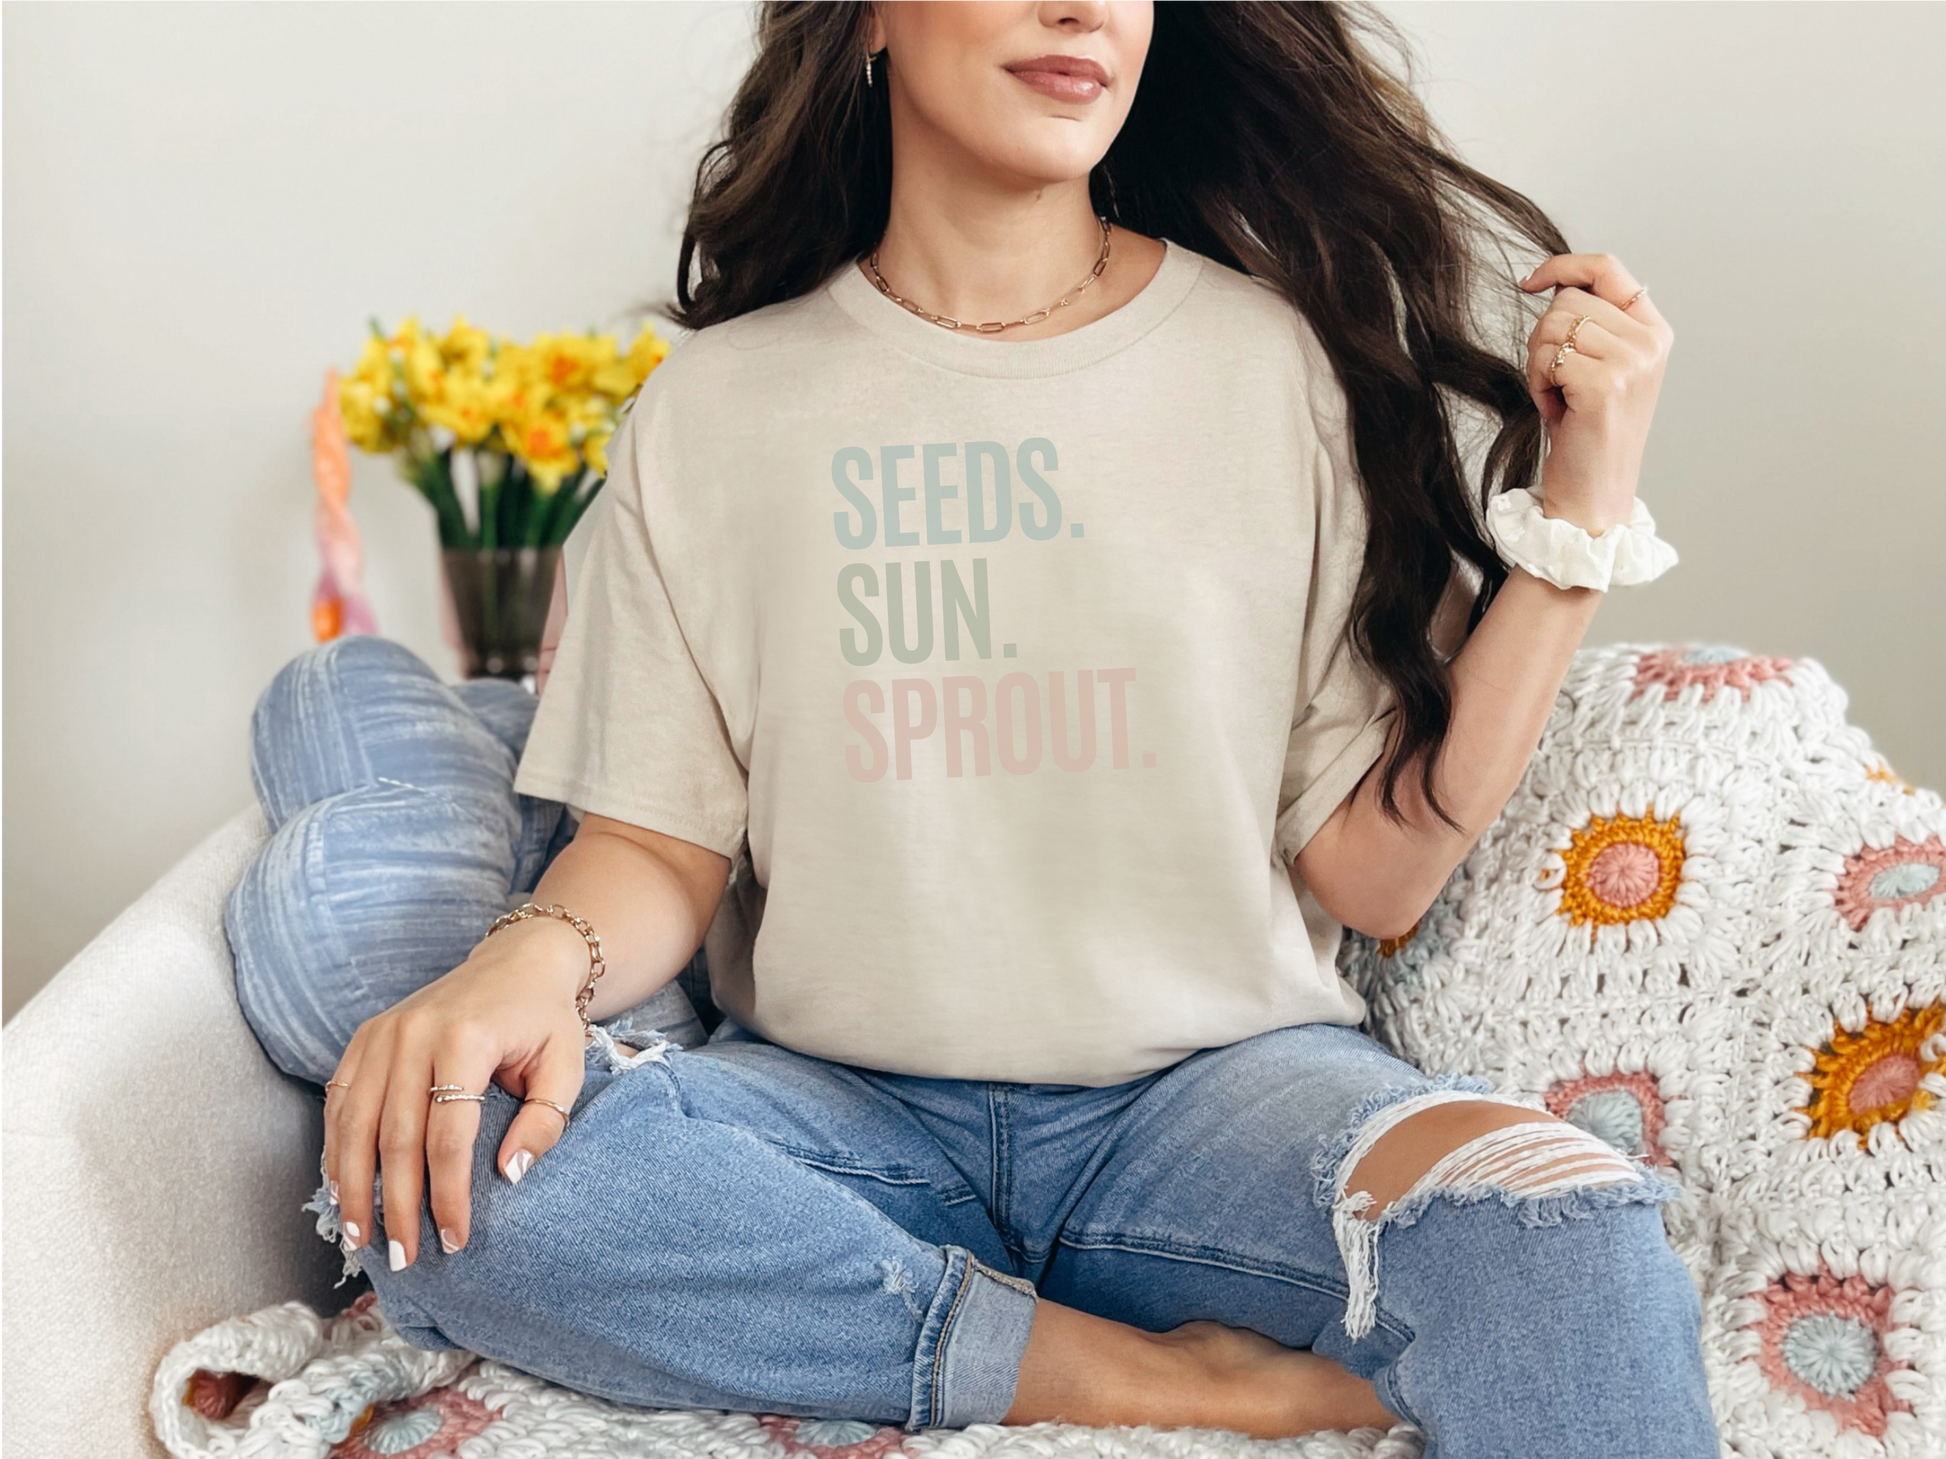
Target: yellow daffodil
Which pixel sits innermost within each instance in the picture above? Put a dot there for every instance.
(374, 368)
(584, 411)
(365, 425)
(464, 407)
(551, 403)
(425, 374)
(512, 396)
(464, 346)
(615, 380)
(564, 360)
(406, 336)
(648, 351)
(595, 450)
(541, 441)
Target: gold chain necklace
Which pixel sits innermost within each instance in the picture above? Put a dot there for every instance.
(946, 321)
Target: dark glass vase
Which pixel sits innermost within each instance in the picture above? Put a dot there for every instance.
(500, 596)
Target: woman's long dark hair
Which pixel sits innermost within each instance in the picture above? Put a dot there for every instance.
(1268, 136)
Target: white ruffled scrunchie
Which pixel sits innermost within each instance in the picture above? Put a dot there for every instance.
(1568, 556)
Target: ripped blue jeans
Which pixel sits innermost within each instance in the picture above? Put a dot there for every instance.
(728, 1223)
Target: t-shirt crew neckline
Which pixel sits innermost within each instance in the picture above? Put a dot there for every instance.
(971, 354)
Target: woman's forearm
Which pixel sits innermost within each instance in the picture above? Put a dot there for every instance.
(1594, 366)
(649, 897)
(1379, 875)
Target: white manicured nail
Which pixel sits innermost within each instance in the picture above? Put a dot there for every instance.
(332, 1186)
(448, 1243)
(517, 1166)
(395, 1255)
(351, 1230)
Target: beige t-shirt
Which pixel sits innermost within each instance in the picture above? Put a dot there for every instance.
(1019, 668)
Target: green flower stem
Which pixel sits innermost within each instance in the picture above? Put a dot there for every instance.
(540, 530)
(515, 492)
(490, 514)
(513, 511)
(433, 475)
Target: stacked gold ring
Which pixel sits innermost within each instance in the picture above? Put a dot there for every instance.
(445, 1093)
(1567, 348)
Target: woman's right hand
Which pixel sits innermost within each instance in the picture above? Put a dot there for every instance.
(505, 1015)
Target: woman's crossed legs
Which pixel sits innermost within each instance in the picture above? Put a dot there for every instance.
(739, 1225)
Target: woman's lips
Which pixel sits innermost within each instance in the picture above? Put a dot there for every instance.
(1064, 78)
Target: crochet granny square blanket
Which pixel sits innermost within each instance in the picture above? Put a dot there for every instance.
(1709, 927)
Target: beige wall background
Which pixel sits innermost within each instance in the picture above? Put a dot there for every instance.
(204, 203)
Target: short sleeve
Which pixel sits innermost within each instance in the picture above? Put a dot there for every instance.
(1344, 709)
(629, 727)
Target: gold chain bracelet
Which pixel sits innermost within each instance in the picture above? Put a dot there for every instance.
(596, 966)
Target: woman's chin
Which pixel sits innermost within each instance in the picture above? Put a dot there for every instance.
(1045, 152)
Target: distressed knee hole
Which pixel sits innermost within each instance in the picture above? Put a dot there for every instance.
(1463, 1146)
(1477, 1142)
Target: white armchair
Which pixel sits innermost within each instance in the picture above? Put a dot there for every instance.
(154, 1166)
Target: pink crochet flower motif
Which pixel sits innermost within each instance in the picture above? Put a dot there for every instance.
(1823, 1342)
(430, 1426)
(833, 1438)
(1904, 874)
(1624, 1109)
(1674, 669)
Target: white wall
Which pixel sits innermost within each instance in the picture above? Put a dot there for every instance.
(204, 203)
(1773, 172)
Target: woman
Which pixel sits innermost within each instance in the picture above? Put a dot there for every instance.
(1169, 641)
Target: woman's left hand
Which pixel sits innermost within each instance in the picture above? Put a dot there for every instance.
(1599, 401)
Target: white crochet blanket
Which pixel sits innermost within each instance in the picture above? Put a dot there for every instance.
(1710, 926)
(351, 1388)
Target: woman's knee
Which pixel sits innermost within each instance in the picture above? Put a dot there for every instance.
(359, 710)
(506, 709)
(1467, 1149)
(1474, 1144)
(353, 904)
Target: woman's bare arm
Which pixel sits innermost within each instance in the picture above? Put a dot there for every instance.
(1379, 875)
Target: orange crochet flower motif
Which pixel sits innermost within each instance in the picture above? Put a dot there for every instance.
(1622, 869)
(1867, 1078)
(1673, 670)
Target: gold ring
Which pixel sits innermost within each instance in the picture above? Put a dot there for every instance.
(336, 1084)
(566, 1118)
(445, 1093)
(1574, 329)
(1634, 299)
(1560, 358)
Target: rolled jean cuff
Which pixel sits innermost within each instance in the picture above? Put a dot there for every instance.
(970, 1345)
